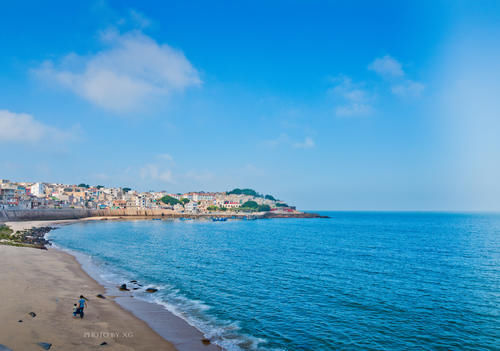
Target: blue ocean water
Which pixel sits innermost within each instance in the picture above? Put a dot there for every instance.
(371, 281)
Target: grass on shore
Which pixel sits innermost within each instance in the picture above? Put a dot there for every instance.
(5, 232)
(6, 237)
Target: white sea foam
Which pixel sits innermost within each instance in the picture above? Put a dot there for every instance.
(226, 334)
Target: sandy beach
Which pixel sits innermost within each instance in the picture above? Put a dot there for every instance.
(49, 282)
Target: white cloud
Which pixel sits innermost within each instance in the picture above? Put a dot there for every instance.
(126, 74)
(22, 127)
(306, 144)
(154, 172)
(139, 19)
(355, 100)
(387, 66)
(408, 88)
(285, 140)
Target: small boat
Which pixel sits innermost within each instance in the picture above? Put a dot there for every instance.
(219, 219)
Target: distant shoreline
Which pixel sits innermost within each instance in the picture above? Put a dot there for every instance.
(73, 214)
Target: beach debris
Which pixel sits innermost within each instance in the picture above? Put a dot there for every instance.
(20, 321)
(151, 290)
(4, 348)
(123, 287)
(104, 343)
(45, 345)
(205, 341)
(101, 296)
(32, 314)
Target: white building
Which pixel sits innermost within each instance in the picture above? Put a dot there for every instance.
(191, 207)
(38, 190)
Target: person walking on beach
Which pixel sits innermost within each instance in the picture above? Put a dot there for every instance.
(82, 303)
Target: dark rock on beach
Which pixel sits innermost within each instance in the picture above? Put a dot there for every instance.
(123, 287)
(205, 341)
(104, 343)
(133, 281)
(45, 345)
(20, 321)
(151, 290)
(34, 237)
(32, 314)
(101, 296)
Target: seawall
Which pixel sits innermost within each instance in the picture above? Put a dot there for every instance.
(76, 213)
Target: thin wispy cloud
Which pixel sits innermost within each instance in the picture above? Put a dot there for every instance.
(387, 66)
(308, 143)
(139, 19)
(354, 99)
(285, 140)
(131, 70)
(165, 156)
(23, 127)
(392, 70)
(408, 88)
(156, 173)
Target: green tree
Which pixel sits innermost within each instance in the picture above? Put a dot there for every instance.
(281, 205)
(264, 208)
(185, 200)
(249, 192)
(270, 197)
(212, 208)
(100, 186)
(250, 204)
(126, 189)
(82, 185)
(169, 200)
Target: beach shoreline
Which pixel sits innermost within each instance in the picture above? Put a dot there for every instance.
(48, 282)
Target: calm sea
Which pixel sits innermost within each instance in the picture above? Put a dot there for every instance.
(371, 281)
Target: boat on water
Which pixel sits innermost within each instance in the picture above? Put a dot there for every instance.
(219, 219)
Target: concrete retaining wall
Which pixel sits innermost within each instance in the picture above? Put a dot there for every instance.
(45, 214)
(75, 213)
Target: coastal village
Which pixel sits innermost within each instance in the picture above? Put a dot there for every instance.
(32, 196)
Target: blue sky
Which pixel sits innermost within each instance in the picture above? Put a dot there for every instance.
(328, 105)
